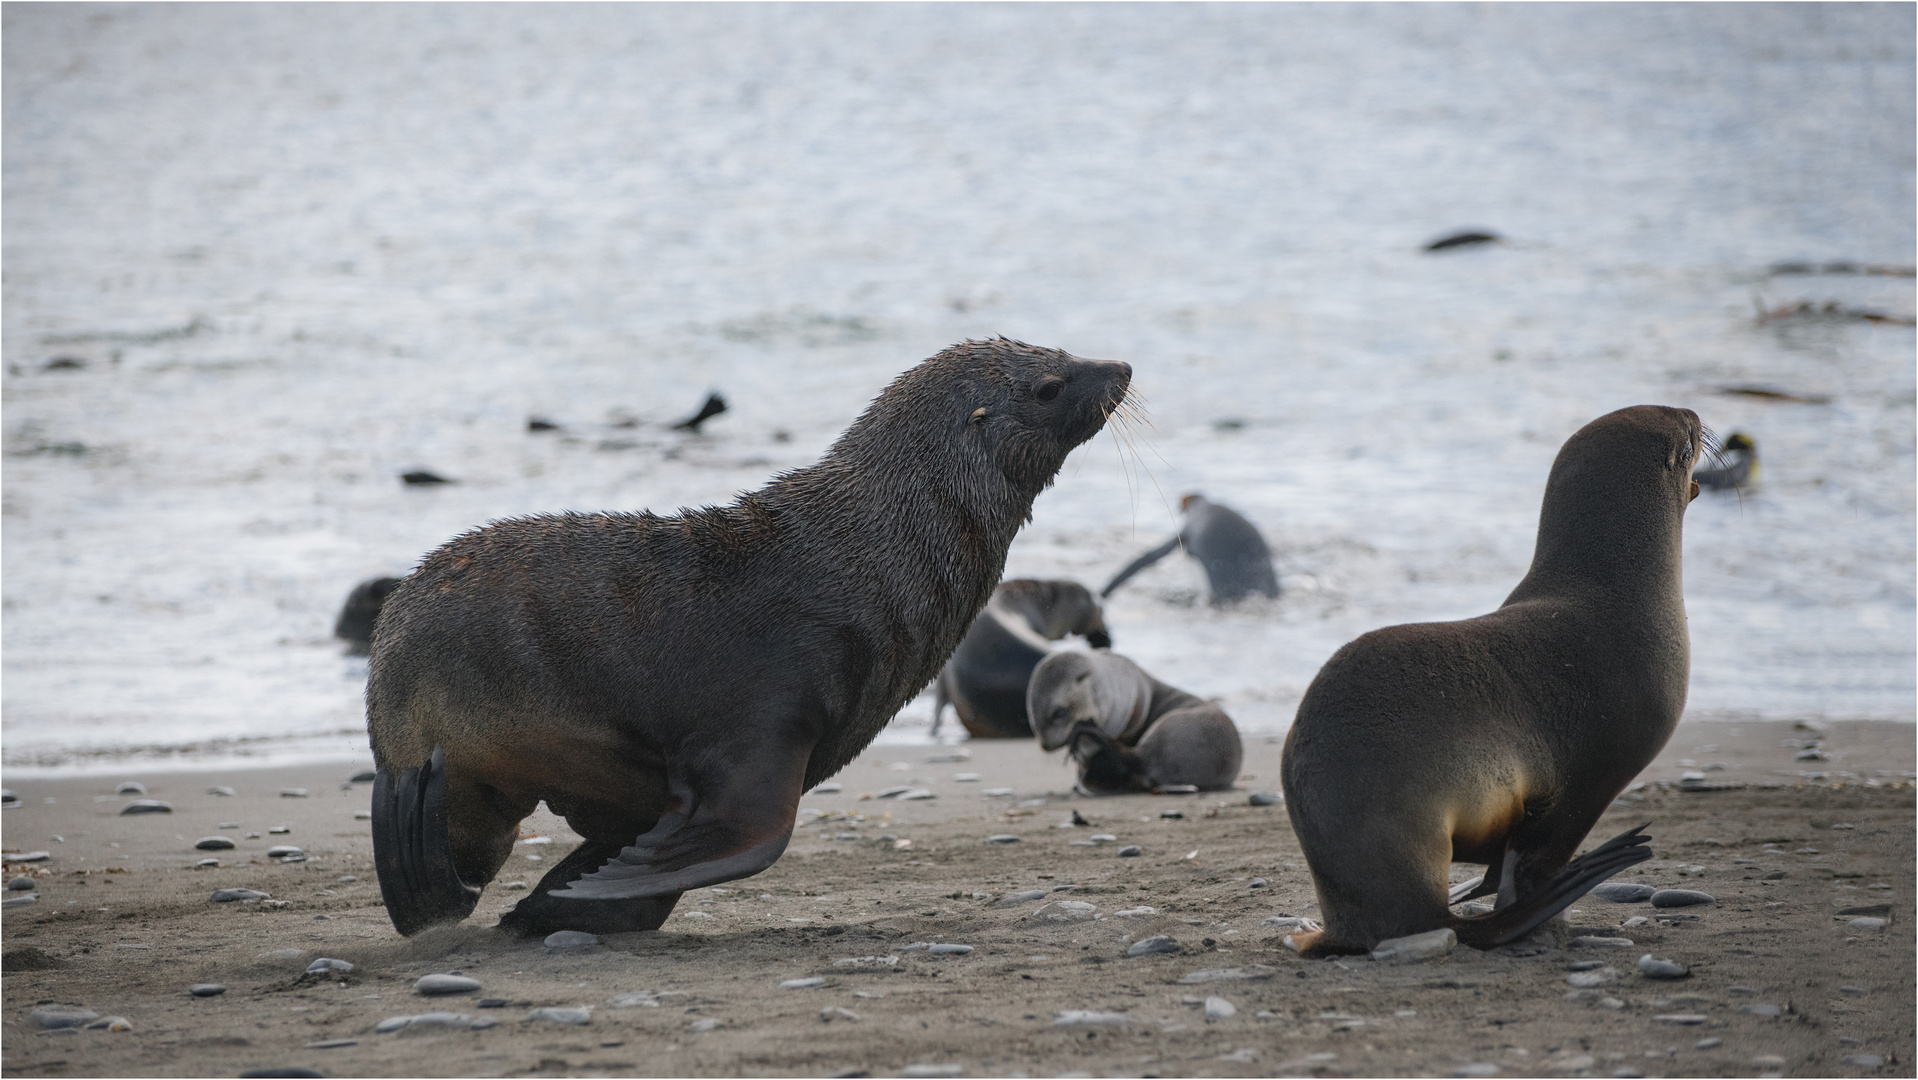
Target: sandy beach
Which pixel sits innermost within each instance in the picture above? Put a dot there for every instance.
(1782, 982)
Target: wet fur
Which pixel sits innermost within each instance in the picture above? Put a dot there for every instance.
(1502, 739)
(1126, 730)
(985, 681)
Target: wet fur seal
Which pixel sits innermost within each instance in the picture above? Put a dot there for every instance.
(1128, 731)
(985, 681)
(671, 685)
(1502, 739)
(1237, 562)
(361, 612)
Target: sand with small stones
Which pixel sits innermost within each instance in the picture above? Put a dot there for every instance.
(1781, 980)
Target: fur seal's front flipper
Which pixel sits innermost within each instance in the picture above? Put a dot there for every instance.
(1578, 877)
(1105, 766)
(411, 849)
(736, 832)
(1141, 563)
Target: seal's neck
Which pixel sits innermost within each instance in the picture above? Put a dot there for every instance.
(1606, 533)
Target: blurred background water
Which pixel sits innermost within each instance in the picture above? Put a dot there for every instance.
(261, 259)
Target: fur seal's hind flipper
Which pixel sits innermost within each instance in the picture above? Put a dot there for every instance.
(540, 913)
(1141, 563)
(412, 850)
(1578, 877)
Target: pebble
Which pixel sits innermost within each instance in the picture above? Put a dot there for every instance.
(63, 1016)
(1588, 979)
(1597, 941)
(224, 792)
(22, 900)
(1610, 1003)
(362, 815)
(917, 794)
(1712, 1043)
(891, 960)
(1683, 1019)
(1021, 897)
(214, 843)
(1263, 798)
(8, 798)
(280, 830)
(1283, 922)
(147, 806)
(1636, 920)
(1653, 968)
(1413, 947)
(325, 964)
(570, 939)
(293, 793)
(111, 1023)
(1172, 815)
(283, 851)
(206, 989)
(809, 983)
(1218, 1008)
(207, 864)
(1868, 922)
(1619, 892)
(364, 776)
(1066, 911)
(1585, 965)
(965, 778)
(20, 884)
(130, 787)
(1088, 1018)
(1256, 883)
(433, 985)
(1867, 1061)
(707, 1024)
(1130, 851)
(1103, 838)
(1157, 943)
(835, 1012)
(1206, 975)
(1851, 989)
(1670, 898)
(1135, 912)
(432, 1019)
(947, 950)
(1753, 1008)
(242, 896)
(996, 792)
(563, 1014)
(31, 856)
(332, 1044)
(1002, 838)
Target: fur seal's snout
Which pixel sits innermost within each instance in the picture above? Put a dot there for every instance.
(1502, 739)
(671, 685)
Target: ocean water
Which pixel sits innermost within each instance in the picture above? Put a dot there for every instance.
(261, 259)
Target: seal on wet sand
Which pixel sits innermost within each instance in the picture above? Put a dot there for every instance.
(1128, 731)
(985, 681)
(671, 685)
(1502, 739)
(1236, 560)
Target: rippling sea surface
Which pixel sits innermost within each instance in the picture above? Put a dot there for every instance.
(261, 259)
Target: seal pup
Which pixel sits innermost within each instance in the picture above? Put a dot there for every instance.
(985, 681)
(1502, 739)
(1234, 555)
(671, 685)
(1127, 730)
(361, 613)
(1738, 468)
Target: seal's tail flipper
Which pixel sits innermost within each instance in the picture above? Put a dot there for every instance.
(1141, 563)
(1508, 924)
(413, 851)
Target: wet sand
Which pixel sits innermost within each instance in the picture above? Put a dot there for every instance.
(123, 926)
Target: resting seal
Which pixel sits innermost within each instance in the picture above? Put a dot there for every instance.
(985, 681)
(1127, 730)
(1502, 739)
(671, 685)
(1234, 555)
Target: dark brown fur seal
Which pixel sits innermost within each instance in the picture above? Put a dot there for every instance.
(1128, 731)
(1237, 562)
(985, 681)
(670, 685)
(1502, 739)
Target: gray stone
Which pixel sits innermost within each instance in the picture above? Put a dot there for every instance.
(1002, 838)
(942, 949)
(812, 982)
(706, 1024)
(238, 896)
(20, 884)
(1654, 968)
(1620, 892)
(1157, 943)
(570, 939)
(1585, 965)
(1753, 1008)
(214, 843)
(224, 792)
(1172, 815)
(1682, 1019)
(111, 1023)
(1206, 975)
(1864, 1061)
(63, 1016)
(1589, 979)
(1103, 838)
(1257, 883)
(1670, 898)
(130, 787)
(1712, 1043)
(1130, 851)
(283, 851)
(1868, 922)
(434, 985)
(325, 964)
(206, 864)
(1599, 941)
(31, 856)
(22, 900)
(1066, 911)
(147, 806)
(576, 1014)
(1218, 1008)
(206, 989)
(1477, 1068)
(1413, 947)
(1263, 798)
(293, 793)
(835, 1012)
(1088, 1018)
(1021, 897)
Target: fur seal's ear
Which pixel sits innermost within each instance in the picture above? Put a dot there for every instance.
(979, 415)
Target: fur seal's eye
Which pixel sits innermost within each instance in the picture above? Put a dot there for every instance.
(1049, 389)
(979, 415)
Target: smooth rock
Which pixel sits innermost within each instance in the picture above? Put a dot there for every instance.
(284, 1072)
(224, 792)
(1868, 922)
(1103, 838)
(207, 864)
(238, 896)
(1653, 968)
(1130, 851)
(1598, 941)
(809, 983)
(325, 964)
(1002, 838)
(283, 851)
(1753, 1008)
(1256, 883)
(1218, 1008)
(111, 1023)
(63, 1016)
(1636, 920)
(1172, 815)
(293, 793)
(706, 1024)
(130, 787)
(1712, 1043)
(1066, 911)
(1206, 975)
(1671, 898)
(1684, 1019)
(835, 1012)
(206, 989)
(30, 856)
(1619, 892)
(8, 798)
(1088, 1018)
(1157, 943)
(563, 1014)
(1589, 979)
(434, 985)
(917, 795)
(1585, 965)
(940, 949)
(20, 884)
(147, 806)
(1021, 897)
(1263, 798)
(1135, 912)
(1414, 947)
(22, 900)
(570, 939)
(1864, 1061)
(214, 843)
(891, 960)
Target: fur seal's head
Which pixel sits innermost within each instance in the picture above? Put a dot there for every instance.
(1058, 608)
(1059, 696)
(1615, 501)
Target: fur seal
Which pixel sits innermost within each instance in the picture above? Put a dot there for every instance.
(671, 685)
(1234, 555)
(362, 611)
(1738, 468)
(1502, 739)
(1127, 730)
(985, 681)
